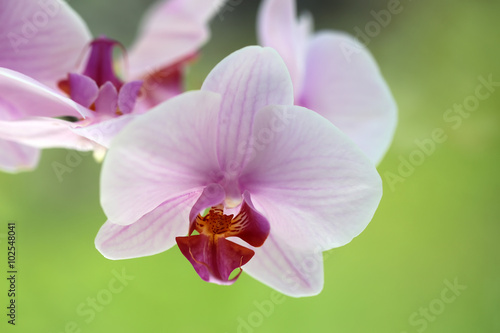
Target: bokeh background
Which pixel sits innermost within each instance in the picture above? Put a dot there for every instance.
(438, 226)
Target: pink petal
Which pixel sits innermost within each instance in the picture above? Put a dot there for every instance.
(248, 80)
(155, 232)
(291, 271)
(278, 28)
(162, 154)
(84, 90)
(104, 131)
(128, 96)
(42, 39)
(160, 86)
(171, 30)
(43, 132)
(343, 84)
(107, 100)
(15, 157)
(24, 97)
(315, 186)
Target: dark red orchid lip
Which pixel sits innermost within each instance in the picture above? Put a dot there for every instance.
(214, 257)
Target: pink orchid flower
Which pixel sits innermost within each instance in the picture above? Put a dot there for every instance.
(280, 183)
(46, 101)
(332, 74)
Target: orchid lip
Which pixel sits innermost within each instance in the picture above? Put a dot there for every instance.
(213, 256)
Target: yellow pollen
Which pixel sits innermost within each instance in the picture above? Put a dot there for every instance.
(214, 223)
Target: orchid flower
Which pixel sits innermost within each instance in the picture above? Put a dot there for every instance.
(333, 74)
(47, 101)
(236, 175)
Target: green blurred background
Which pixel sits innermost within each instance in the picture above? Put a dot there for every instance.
(438, 225)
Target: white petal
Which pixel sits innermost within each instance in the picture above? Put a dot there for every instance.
(343, 84)
(42, 132)
(290, 271)
(155, 232)
(248, 80)
(171, 30)
(279, 28)
(162, 154)
(312, 183)
(43, 39)
(15, 157)
(23, 96)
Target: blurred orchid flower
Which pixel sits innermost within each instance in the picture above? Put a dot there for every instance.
(46, 101)
(332, 74)
(264, 183)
